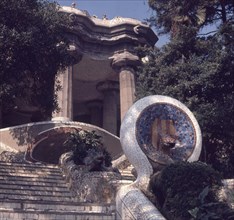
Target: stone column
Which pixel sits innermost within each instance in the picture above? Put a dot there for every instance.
(1, 116)
(110, 102)
(124, 63)
(65, 99)
(95, 108)
(64, 96)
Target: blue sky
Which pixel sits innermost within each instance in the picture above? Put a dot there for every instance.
(137, 9)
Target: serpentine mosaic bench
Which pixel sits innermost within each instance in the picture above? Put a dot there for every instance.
(156, 131)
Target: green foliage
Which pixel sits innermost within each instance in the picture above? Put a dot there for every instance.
(198, 71)
(211, 210)
(33, 48)
(172, 15)
(86, 143)
(189, 191)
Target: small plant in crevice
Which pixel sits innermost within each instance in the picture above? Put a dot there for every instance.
(88, 150)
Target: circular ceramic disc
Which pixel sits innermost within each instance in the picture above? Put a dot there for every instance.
(155, 119)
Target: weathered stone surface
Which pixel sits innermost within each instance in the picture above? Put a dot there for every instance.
(125, 59)
(89, 186)
(8, 156)
(39, 191)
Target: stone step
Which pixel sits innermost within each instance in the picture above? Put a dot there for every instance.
(30, 166)
(32, 183)
(122, 182)
(54, 206)
(29, 179)
(132, 178)
(7, 214)
(127, 176)
(54, 188)
(22, 196)
(21, 173)
(20, 170)
(32, 172)
(30, 192)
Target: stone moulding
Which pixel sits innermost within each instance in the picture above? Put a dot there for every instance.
(104, 31)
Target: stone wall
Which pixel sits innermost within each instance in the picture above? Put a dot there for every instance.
(91, 187)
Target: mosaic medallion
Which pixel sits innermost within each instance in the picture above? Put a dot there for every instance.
(164, 132)
(161, 130)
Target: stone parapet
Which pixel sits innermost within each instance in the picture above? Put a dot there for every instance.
(132, 204)
(19, 138)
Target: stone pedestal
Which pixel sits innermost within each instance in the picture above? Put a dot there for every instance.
(124, 63)
(110, 101)
(64, 96)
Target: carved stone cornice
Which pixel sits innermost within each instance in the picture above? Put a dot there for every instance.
(108, 32)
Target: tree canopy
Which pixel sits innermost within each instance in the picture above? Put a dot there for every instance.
(197, 70)
(33, 48)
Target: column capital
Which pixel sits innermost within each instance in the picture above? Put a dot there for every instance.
(124, 59)
(75, 52)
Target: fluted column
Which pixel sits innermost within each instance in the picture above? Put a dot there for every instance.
(110, 108)
(64, 96)
(124, 63)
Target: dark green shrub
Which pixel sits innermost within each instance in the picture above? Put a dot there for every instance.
(184, 189)
(87, 146)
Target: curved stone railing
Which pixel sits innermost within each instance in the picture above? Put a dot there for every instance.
(132, 204)
(19, 138)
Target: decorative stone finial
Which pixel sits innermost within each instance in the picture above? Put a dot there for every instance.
(73, 5)
(104, 17)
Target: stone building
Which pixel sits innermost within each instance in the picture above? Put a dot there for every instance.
(100, 87)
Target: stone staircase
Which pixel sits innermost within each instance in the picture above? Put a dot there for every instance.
(127, 176)
(40, 192)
